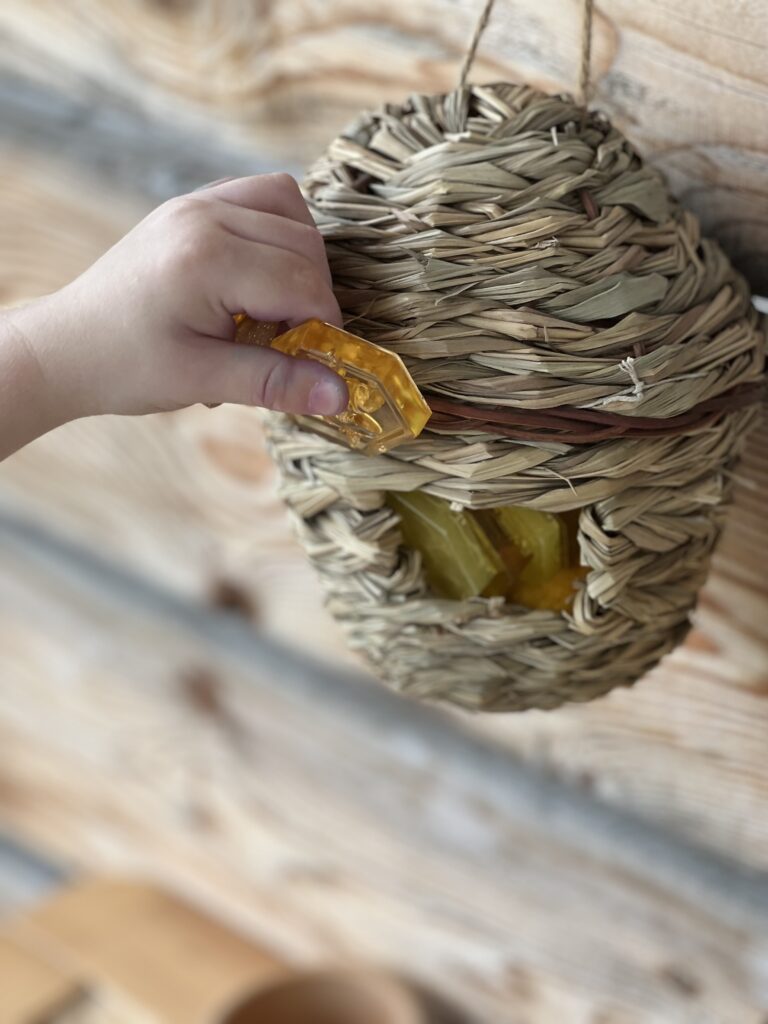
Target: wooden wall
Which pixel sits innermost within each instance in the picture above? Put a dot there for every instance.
(160, 711)
(688, 79)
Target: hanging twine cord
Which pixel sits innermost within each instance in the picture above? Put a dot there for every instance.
(474, 42)
(586, 47)
(586, 52)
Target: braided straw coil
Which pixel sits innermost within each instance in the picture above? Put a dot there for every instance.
(581, 346)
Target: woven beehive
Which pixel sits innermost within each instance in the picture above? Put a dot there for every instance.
(581, 347)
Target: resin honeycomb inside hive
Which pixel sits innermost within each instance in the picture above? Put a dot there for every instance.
(526, 556)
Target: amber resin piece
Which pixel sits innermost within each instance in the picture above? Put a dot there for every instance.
(513, 557)
(458, 559)
(255, 332)
(555, 594)
(529, 557)
(385, 406)
(547, 543)
(540, 537)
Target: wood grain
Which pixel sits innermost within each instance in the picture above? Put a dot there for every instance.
(50, 230)
(335, 820)
(687, 80)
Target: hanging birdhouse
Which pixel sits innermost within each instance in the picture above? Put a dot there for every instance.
(590, 365)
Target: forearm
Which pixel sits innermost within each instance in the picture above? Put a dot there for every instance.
(29, 397)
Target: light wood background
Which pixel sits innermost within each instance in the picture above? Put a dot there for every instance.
(688, 79)
(174, 699)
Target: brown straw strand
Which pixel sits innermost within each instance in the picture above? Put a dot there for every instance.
(469, 58)
(586, 52)
(583, 426)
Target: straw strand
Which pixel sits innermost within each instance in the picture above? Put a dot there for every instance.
(474, 42)
(586, 52)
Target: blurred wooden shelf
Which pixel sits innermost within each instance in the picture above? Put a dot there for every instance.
(109, 951)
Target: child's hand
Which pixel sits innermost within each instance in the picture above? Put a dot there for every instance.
(149, 326)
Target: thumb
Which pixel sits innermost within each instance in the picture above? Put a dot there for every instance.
(246, 375)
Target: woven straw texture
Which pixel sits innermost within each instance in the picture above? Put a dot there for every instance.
(582, 347)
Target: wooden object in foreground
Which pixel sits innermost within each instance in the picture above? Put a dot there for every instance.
(115, 952)
(33, 989)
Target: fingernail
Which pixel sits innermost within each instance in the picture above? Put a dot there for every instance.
(327, 398)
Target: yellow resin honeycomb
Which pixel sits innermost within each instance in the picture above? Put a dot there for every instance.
(526, 556)
(385, 407)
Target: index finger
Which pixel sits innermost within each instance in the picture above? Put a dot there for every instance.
(267, 193)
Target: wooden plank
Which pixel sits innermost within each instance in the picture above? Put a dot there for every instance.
(25, 877)
(50, 230)
(93, 1008)
(334, 819)
(191, 500)
(32, 990)
(687, 80)
(116, 145)
(112, 951)
(143, 946)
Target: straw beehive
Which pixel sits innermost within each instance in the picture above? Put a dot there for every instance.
(581, 347)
